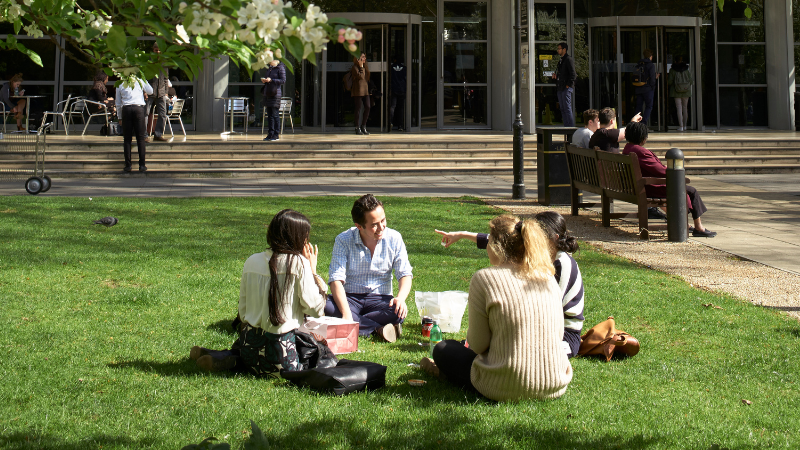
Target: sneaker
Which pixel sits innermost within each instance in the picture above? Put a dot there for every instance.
(428, 366)
(655, 213)
(276, 138)
(364, 131)
(387, 333)
(268, 138)
(358, 131)
(196, 352)
(705, 233)
(211, 364)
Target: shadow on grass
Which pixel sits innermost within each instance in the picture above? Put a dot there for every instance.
(171, 369)
(794, 331)
(223, 326)
(34, 440)
(444, 430)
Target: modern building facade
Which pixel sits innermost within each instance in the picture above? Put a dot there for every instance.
(460, 60)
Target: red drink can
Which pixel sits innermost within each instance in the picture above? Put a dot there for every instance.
(427, 325)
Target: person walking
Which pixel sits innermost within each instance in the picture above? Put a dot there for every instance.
(680, 88)
(645, 77)
(360, 93)
(130, 103)
(398, 93)
(565, 84)
(271, 91)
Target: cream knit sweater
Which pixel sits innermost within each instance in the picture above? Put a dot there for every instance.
(516, 327)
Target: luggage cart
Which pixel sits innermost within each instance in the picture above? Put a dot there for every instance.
(22, 155)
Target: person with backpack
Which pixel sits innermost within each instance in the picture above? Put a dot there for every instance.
(644, 80)
(680, 88)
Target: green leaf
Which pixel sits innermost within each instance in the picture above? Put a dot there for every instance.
(288, 64)
(289, 13)
(748, 12)
(201, 41)
(134, 31)
(720, 4)
(294, 45)
(117, 40)
(17, 26)
(31, 54)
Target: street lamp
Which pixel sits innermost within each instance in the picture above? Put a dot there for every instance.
(518, 189)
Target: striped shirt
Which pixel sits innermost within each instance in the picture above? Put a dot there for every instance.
(362, 273)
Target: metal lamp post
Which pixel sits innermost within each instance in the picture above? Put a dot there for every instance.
(518, 189)
(676, 196)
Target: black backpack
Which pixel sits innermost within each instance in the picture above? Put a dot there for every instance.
(639, 77)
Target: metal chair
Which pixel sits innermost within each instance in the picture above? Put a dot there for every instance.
(61, 110)
(5, 115)
(81, 108)
(236, 107)
(73, 110)
(177, 110)
(284, 109)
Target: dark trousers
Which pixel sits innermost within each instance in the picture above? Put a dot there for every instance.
(401, 100)
(273, 121)
(455, 363)
(645, 100)
(134, 121)
(698, 207)
(161, 112)
(362, 105)
(565, 103)
(370, 310)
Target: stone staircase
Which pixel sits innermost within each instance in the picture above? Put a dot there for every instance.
(402, 154)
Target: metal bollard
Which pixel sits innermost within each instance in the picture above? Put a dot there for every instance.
(676, 197)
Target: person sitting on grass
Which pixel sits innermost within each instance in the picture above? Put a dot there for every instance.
(515, 322)
(360, 273)
(278, 287)
(560, 244)
(636, 134)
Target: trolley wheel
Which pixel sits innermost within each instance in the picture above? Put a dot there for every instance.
(46, 183)
(33, 185)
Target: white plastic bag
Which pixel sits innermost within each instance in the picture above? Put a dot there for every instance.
(446, 307)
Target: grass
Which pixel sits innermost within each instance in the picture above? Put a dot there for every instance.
(97, 323)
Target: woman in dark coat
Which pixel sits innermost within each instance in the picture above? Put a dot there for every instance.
(360, 92)
(99, 94)
(273, 81)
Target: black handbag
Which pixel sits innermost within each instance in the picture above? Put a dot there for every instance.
(313, 351)
(348, 376)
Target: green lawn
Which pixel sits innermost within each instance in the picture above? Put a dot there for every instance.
(97, 323)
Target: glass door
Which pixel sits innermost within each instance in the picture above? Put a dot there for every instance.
(634, 43)
(605, 69)
(464, 76)
(550, 29)
(678, 45)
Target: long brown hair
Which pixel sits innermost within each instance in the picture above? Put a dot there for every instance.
(366, 65)
(287, 234)
(15, 78)
(100, 82)
(523, 244)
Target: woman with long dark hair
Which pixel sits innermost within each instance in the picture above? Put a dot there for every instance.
(360, 92)
(278, 287)
(15, 107)
(99, 94)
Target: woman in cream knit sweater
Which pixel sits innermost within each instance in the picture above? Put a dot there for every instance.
(515, 322)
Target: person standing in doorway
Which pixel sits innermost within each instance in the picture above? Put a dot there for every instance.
(360, 93)
(273, 81)
(398, 93)
(680, 88)
(645, 87)
(565, 84)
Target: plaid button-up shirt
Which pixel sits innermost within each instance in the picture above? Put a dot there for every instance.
(363, 273)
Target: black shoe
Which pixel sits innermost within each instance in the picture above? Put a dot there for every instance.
(358, 131)
(364, 131)
(705, 233)
(127, 168)
(655, 213)
(268, 138)
(211, 363)
(142, 168)
(401, 129)
(276, 138)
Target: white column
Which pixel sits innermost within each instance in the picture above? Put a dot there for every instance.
(780, 63)
(502, 64)
(212, 82)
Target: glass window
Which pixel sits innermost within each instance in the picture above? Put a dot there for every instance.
(465, 21)
(742, 64)
(466, 61)
(12, 61)
(546, 60)
(743, 106)
(551, 22)
(464, 106)
(733, 26)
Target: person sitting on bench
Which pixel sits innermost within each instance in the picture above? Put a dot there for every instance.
(636, 135)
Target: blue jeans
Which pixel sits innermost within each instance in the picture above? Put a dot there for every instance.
(565, 103)
(273, 121)
(372, 311)
(645, 99)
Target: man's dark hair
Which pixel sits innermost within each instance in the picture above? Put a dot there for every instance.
(589, 115)
(647, 53)
(606, 115)
(362, 206)
(636, 133)
(564, 45)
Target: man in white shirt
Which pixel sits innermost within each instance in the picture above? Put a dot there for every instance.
(130, 107)
(591, 117)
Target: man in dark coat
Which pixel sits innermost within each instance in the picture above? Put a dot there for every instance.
(398, 93)
(644, 93)
(565, 84)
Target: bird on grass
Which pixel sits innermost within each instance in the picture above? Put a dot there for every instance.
(107, 221)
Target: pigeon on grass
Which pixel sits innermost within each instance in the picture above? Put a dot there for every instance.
(107, 221)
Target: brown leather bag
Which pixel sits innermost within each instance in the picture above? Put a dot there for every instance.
(605, 339)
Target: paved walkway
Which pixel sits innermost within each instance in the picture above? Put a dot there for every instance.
(756, 216)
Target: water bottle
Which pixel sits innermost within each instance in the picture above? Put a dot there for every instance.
(16, 91)
(436, 335)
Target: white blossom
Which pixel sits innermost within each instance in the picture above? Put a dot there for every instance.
(33, 31)
(183, 37)
(315, 14)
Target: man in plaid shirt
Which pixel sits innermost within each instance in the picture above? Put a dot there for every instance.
(360, 274)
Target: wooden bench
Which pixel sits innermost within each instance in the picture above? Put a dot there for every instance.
(612, 176)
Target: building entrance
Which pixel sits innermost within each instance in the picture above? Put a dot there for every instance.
(616, 48)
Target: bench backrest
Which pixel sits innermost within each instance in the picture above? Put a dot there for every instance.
(621, 177)
(582, 164)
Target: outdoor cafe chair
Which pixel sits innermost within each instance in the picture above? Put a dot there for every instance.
(6, 113)
(175, 114)
(284, 110)
(81, 108)
(236, 108)
(61, 110)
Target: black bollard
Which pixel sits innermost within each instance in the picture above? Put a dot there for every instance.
(676, 197)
